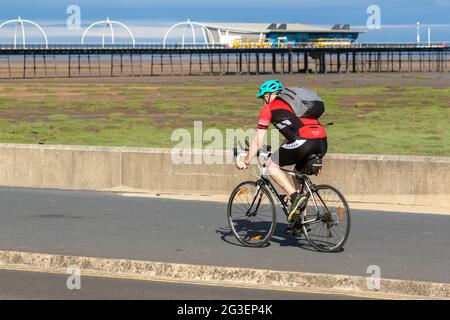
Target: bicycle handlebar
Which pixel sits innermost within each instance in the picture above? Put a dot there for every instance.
(267, 148)
(265, 151)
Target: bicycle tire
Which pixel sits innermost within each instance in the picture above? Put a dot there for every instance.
(272, 210)
(344, 211)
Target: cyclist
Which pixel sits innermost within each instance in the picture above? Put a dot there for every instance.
(303, 137)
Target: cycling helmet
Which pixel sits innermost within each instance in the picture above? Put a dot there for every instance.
(269, 87)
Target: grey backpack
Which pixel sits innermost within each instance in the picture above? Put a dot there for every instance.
(304, 102)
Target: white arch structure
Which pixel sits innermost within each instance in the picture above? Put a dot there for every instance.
(21, 22)
(207, 35)
(108, 24)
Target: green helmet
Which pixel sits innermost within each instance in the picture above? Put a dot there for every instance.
(269, 87)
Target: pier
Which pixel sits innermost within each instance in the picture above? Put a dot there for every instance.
(67, 61)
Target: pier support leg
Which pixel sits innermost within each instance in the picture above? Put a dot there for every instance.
(290, 61)
(353, 62)
(9, 68)
(121, 64)
(274, 62)
(151, 65)
(69, 71)
(24, 65)
(339, 62)
(240, 63)
(89, 65)
(257, 63)
(305, 62)
(34, 65)
(45, 64)
(99, 66)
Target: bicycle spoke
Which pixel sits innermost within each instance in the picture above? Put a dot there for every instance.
(243, 216)
(243, 206)
(339, 238)
(241, 210)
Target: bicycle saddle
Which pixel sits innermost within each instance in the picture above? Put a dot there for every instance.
(313, 164)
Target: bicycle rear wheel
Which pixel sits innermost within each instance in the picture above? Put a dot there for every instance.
(327, 226)
(251, 214)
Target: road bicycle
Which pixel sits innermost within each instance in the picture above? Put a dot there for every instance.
(324, 218)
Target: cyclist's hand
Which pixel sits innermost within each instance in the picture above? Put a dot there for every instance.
(240, 164)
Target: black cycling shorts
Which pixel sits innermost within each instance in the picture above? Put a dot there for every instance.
(296, 152)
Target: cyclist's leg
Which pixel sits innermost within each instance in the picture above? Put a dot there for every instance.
(288, 155)
(310, 146)
(280, 177)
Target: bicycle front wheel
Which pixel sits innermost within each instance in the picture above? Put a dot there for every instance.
(326, 220)
(251, 214)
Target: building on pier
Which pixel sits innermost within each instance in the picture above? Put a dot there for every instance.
(231, 34)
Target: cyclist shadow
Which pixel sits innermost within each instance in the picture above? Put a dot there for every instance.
(279, 236)
(286, 240)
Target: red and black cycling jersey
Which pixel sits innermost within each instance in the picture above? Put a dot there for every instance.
(281, 115)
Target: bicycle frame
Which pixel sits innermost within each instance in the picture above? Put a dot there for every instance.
(264, 180)
(303, 179)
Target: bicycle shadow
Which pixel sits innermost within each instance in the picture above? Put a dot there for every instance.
(279, 237)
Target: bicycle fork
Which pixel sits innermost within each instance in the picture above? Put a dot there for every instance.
(249, 212)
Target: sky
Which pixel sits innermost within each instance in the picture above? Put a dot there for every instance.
(149, 19)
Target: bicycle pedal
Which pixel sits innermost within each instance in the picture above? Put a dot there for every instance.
(290, 229)
(294, 231)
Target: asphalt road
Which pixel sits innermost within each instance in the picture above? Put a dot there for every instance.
(20, 285)
(404, 246)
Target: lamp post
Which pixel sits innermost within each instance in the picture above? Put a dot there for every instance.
(418, 32)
